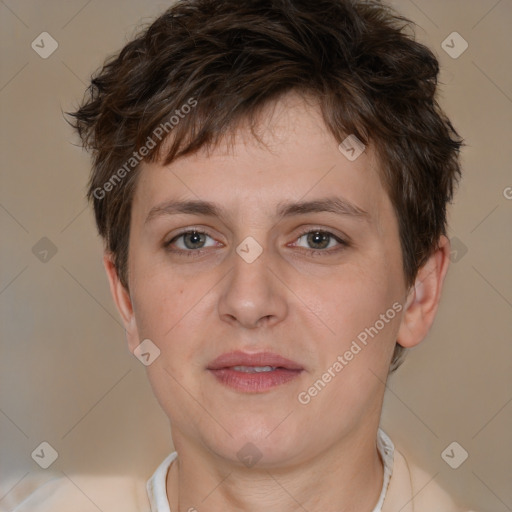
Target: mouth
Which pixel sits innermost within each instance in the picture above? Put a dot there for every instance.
(254, 369)
(253, 373)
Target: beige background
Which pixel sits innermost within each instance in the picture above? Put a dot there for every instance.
(66, 374)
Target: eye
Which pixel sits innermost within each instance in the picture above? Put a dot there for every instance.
(191, 240)
(319, 240)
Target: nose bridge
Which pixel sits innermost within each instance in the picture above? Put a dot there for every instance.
(251, 293)
(250, 270)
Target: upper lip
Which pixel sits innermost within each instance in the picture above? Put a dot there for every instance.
(239, 358)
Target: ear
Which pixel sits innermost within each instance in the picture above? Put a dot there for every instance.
(123, 302)
(423, 298)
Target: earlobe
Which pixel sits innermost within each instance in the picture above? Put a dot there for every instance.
(423, 299)
(122, 301)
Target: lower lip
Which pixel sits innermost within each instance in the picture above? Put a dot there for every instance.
(254, 382)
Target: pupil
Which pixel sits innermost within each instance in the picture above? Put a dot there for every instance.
(318, 238)
(195, 238)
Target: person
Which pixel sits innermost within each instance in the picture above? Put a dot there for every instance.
(270, 179)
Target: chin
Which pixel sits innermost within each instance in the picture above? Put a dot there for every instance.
(264, 441)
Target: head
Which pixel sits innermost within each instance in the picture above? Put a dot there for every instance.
(236, 111)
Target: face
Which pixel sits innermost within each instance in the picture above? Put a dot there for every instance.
(296, 254)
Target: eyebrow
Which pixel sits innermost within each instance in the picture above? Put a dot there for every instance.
(337, 205)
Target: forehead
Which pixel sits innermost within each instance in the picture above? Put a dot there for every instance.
(294, 158)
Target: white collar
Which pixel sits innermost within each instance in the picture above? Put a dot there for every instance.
(157, 485)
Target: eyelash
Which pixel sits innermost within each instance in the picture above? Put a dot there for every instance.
(191, 253)
(194, 253)
(325, 252)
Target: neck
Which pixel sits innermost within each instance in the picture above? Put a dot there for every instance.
(347, 478)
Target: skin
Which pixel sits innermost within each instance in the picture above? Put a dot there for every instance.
(304, 304)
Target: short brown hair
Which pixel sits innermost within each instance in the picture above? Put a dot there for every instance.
(359, 59)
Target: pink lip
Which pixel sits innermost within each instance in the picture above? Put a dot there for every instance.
(222, 369)
(239, 358)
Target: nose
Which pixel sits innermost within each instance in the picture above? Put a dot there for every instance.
(252, 296)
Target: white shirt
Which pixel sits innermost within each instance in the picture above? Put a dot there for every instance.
(157, 484)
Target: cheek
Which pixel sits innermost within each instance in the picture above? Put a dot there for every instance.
(156, 292)
(355, 298)
(362, 310)
(360, 351)
(161, 308)
(172, 311)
